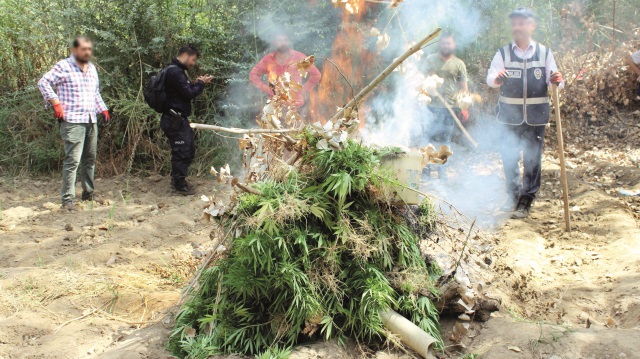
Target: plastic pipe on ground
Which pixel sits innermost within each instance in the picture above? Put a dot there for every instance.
(410, 334)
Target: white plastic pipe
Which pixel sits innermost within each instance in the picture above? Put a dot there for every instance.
(410, 334)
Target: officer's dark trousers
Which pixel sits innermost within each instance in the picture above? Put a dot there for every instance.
(183, 148)
(529, 141)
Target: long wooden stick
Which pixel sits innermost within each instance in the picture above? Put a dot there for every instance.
(563, 166)
(240, 131)
(365, 91)
(455, 117)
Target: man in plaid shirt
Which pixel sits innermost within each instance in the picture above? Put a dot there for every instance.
(76, 104)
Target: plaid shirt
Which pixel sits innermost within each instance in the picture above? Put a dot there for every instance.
(78, 91)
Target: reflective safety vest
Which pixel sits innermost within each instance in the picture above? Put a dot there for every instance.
(524, 97)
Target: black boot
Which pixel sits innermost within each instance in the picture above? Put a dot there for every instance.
(180, 186)
(190, 185)
(523, 208)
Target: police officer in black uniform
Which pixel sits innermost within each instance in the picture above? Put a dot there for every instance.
(523, 70)
(180, 92)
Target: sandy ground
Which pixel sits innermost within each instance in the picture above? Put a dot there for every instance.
(73, 285)
(104, 282)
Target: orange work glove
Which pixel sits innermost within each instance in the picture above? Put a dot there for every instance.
(59, 111)
(464, 115)
(556, 78)
(106, 115)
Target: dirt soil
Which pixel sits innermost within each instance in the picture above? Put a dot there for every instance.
(104, 282)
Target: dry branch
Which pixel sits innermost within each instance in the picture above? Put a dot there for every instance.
(464, 130)
(240, 131)
(246, 188)
(365, 91)
(74, 319)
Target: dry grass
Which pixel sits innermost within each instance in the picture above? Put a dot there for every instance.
(121, 293)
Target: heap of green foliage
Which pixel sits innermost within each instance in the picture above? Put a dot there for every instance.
(320, 253)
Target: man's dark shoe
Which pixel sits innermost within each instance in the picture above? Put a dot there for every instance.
(191, 186)
(523, 208)
(87, 197)
(184, 190)
(69, 206)
(181, 186)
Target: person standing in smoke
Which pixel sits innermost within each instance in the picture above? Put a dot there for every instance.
(523, 70)
(446, 65)
(284, 59)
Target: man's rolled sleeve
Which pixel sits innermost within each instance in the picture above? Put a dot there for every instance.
(52, 78)
(497, 65)
(100, 105)
(552, 67)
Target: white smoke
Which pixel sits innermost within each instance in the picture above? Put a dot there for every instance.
(475, 184)
(397, 118)
(393, 114)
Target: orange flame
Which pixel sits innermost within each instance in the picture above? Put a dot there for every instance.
(272, 75)
(352, 59)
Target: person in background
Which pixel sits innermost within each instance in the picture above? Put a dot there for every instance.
(282, 60)
(523, 70)
(76, 100)
(446, 65)
(633, 60)
(174, 121)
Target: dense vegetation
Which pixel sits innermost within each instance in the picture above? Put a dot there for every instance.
(134, 38)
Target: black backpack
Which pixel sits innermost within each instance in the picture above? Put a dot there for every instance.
(155, 94)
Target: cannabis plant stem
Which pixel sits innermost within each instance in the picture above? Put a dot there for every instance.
(248, 189)
(465, 244)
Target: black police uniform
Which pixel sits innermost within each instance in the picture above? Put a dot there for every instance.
(524, 110)
(180, 92)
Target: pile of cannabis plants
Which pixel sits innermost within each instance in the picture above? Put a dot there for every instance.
(316, 253)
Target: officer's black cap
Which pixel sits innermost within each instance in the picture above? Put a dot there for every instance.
(522, 12)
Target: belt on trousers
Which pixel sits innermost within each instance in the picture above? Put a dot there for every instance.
(520, 101)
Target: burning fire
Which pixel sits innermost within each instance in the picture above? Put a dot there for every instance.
(354, 62)
(350, 6)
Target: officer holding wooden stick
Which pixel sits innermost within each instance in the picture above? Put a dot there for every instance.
(523, 70)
